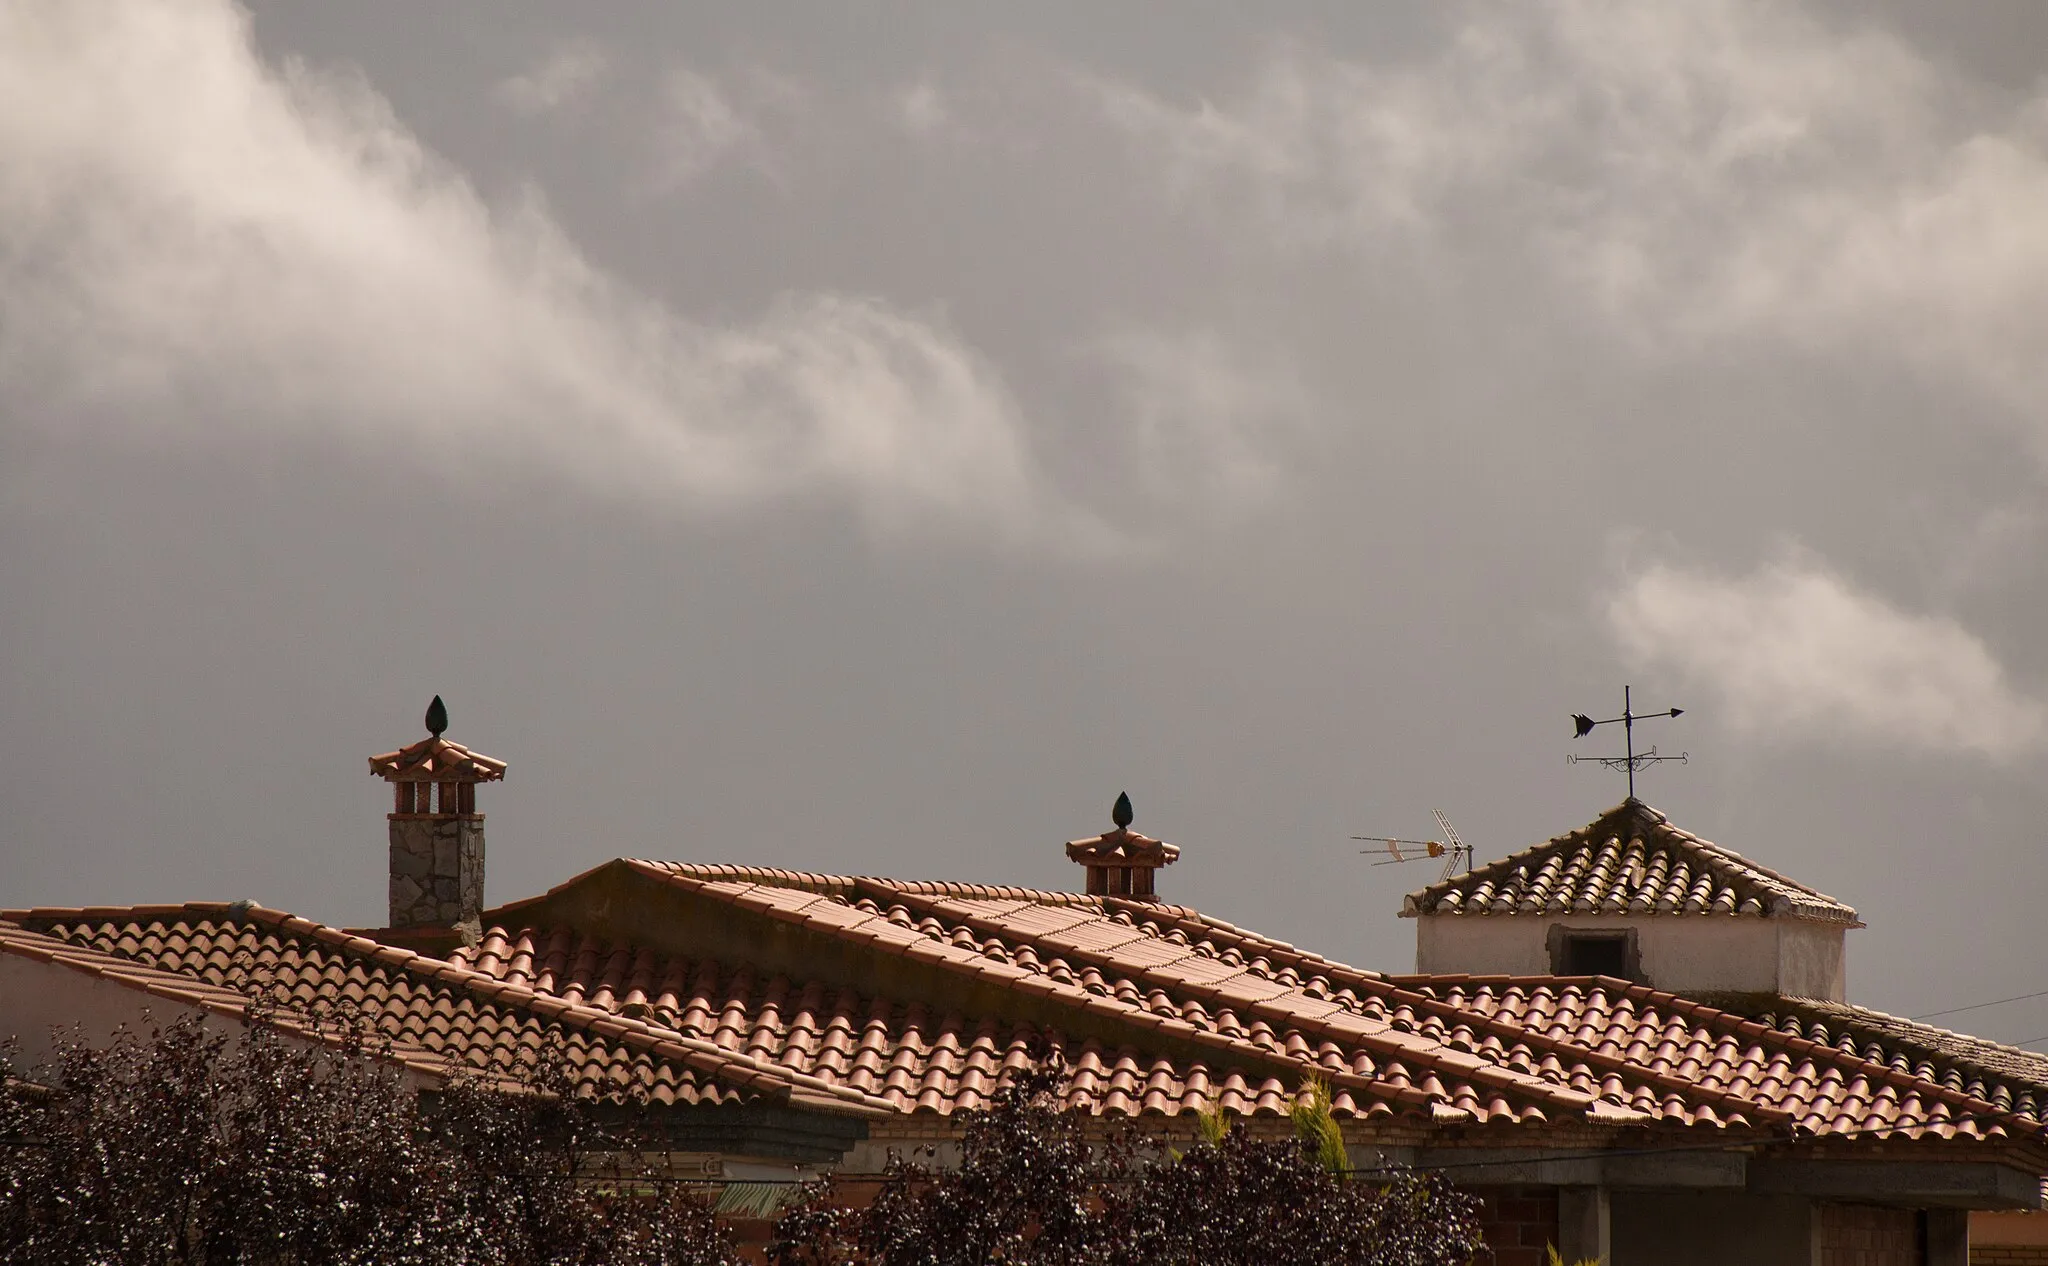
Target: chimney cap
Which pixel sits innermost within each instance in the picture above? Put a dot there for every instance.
(436, 759)
(1120, 845)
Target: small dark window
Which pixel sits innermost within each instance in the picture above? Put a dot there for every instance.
(1602, 955)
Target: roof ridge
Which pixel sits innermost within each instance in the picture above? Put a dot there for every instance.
(1302, 961)
(1497, 1077)
(737, 872)
(837, 885)
(981, 892)
(1758, 868)
(26, 914)
(1110, 1006)
(1930, 1028)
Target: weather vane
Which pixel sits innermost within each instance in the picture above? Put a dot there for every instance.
(1633, 760)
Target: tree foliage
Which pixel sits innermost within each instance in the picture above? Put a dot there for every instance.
(1030, 1189)
(179, 1146)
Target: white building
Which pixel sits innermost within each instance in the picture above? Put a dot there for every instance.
(1632, 896)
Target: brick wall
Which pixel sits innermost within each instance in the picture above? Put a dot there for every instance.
(2009, 1255)
(1519, 1222)
(1866, 1235)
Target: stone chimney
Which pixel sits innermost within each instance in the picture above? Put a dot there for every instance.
(1120, 862)
(437, 836)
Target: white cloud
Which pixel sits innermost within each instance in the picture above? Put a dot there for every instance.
(699, 125)
(702, 121)
(565, 76)
(1206, 421)
(1726, 170)
(1794, 650)
(192, 240)
(920, 108)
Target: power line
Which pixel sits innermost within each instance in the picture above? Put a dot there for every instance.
(1979, 1006)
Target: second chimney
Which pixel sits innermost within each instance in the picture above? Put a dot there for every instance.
(1121, 862)
(437, 836)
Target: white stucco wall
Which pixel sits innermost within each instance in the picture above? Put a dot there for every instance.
(1683, 953)
(38, 998)
(39, 1002)
(1812, 962)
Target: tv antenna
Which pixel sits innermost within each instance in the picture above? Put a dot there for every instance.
(1450, 846)
(1582, 725)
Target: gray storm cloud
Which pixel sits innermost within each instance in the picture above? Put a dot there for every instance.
(770, 441)
(1720, 174)
(180, 222)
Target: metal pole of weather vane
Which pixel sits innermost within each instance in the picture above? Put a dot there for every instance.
(1631, 760)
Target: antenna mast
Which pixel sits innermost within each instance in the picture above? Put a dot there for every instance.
(1450, 847)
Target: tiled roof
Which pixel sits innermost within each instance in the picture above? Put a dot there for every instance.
(2009, 1076)
(195, 990)
(435, 759)
(707, 982)
(915, 1057)
(1163, 1009)
(1631, 860)
(1821, 1083)
(434, 1013)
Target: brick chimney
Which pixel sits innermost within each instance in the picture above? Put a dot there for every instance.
(1120, 862)
(437, 836)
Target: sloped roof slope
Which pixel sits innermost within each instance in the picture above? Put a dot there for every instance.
(1629, 861)
(1160, 1009)
(2010, 1076)
(912, 1000)
(437, 1016)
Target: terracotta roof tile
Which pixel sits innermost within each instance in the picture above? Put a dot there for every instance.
(435, 759)
(1171, 1011)
(1631, 860)
(2013, 1078)
(1122, 845)
(439, 1014)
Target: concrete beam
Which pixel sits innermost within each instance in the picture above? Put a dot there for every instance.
(1585, 1225)
(1954, 1184)
(1664, 1171)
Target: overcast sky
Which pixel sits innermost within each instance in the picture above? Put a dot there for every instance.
(868, 440)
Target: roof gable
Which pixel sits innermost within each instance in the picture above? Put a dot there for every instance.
(1629, 861)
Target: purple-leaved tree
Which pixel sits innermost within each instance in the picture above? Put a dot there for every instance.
(1030, 1189)
(180, 1145)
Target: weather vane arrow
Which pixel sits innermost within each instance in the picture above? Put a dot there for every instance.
(1582, 725)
